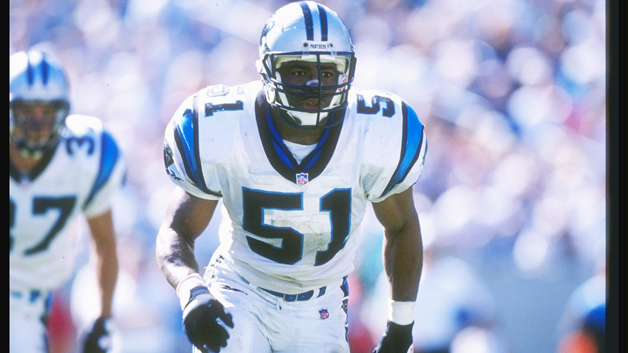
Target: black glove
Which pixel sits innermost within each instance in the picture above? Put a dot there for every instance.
(396, 339)
(98, 339)
(200, 321)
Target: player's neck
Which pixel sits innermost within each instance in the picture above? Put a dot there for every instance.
(22, 163)
(295, 134)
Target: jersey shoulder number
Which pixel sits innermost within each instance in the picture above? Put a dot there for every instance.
(208, 120)
(88, 136)
(394, 139)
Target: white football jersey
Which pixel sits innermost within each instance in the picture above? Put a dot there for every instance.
(79, 176)
(292, 226)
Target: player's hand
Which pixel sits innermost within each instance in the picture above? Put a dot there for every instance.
(204, 318)
(98, 339)
(396, 339)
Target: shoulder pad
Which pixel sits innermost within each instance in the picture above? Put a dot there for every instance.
(83, 125)
(395, 140)
(210, 120)
(204, 132)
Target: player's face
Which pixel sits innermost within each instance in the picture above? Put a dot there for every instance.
(34, 121)
(303, 73)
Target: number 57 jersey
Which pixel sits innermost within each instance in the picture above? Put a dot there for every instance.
(292, 223)
(80, 175)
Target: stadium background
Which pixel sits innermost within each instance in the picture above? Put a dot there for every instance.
(511, 200)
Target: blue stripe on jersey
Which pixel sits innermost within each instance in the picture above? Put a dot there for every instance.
(283, 156)
(186, 137)
(317, 153)
(283, 152)
(411, 147)
(313, 156)
(108, 159)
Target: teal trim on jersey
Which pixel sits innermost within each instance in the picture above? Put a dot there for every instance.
(411, 146)
(186, 138)
(283, 152)
(108, 159)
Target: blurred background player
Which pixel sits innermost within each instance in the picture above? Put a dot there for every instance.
(60, 166)
(583, 324)
(295, 158)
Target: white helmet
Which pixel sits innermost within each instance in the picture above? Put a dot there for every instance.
(34, 77)
(311, 32)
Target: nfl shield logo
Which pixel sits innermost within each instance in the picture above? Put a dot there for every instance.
(324, 314)
(302, 178)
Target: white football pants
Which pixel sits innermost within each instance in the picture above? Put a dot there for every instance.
(267, 323)
(27, 329)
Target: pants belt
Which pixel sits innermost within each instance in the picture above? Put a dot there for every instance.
(30, 295)
(297, 297)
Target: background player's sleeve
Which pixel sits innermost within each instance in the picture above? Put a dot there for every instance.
(110, 176)
(182, 155)
(402, 171)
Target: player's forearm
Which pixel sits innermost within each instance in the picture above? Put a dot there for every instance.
(403, 261)
(186, 219)
(175, 256)
(102, 231)
(107, 272)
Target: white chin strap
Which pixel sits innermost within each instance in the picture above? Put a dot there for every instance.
(306, 119)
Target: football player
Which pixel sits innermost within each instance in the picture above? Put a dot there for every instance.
(60, 166)
(295, 158)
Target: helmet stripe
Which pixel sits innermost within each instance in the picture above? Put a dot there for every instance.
(29, 73)
(44, 70)
(307, 15)
(323, 15)
(43, 66)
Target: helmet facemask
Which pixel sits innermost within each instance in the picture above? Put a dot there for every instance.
(324, 90)
(33, 134)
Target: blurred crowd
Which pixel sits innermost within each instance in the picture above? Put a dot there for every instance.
(513, 96)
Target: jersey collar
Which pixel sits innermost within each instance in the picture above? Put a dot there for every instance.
(280, 156)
